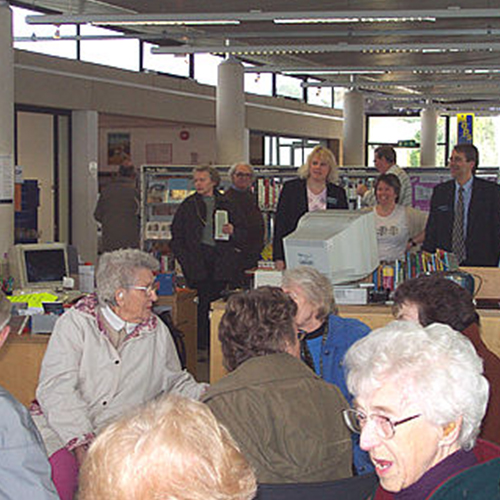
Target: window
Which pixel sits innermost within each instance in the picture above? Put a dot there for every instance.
(486, 134)
(394, 129)
(122, 54)
(205, 68)
(172, 64)
(321, 96)
(338, 97)
(259, 83)
(59, 48)
(288, 86)
(288, 151)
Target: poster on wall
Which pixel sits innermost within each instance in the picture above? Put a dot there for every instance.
(118, 148)
(6, 178)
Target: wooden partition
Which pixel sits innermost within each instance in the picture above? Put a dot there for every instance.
(375, 316)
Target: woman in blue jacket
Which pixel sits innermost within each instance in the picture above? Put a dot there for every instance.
(325, 337)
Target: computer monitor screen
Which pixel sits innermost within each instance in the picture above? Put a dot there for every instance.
(41, 265)
(45, 265)
(341, 244)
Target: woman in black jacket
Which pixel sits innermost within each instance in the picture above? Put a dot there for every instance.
(315, 189)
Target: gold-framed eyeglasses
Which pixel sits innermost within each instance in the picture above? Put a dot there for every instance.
(384, 426)
(152, 288)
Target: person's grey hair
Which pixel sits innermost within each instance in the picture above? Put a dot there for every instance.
(316, 286)
(118, 269)
(212, 172)
(326, 155)
(5, 310)
(437, 366)
(232, 169)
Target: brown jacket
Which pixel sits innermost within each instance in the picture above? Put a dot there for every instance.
(286, 420)
(490, 428)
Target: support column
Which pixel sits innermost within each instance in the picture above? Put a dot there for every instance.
(232, 137)
(354, 129)
(84, 183)
(428, 133)
(6, 130)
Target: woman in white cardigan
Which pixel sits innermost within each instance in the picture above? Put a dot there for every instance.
(106, 355)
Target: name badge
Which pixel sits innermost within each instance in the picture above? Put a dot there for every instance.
(443, 208)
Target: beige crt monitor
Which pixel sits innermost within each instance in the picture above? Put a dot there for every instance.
(39, 265)
(341, 244)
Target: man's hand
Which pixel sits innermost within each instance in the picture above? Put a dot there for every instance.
(361, 189)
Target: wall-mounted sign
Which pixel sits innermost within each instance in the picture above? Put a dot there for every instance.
(465, 122)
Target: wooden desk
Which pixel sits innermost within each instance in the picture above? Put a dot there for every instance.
(21, 356)
(20, 361)
(375, 316)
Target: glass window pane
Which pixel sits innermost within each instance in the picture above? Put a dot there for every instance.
(122, 54)
(288, 86)
(55, 47)
(259, 83)
(486, 134)
(338, 97)
(205, 68)
(321, 96)
(391, 129)
(172, 64)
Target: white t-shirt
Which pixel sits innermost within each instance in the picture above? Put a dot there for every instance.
(392, 234)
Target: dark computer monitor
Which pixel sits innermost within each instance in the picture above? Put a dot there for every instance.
(41, 265)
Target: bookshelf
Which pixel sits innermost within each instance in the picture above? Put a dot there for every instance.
(163, 188)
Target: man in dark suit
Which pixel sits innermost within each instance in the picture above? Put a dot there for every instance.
(465, 213)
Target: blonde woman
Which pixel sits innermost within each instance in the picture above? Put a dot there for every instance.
(171, 448)
(315, 189)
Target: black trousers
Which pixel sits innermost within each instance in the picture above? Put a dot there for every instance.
(208, 290)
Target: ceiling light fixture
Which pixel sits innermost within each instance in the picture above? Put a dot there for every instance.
(340, 20)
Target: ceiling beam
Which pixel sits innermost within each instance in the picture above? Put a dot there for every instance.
(432, 47)
(301, 17)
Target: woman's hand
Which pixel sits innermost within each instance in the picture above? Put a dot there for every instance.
(80, 453)
(279, 265)
(228, 229)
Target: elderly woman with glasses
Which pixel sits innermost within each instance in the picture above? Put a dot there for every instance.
(420, 397)
(324, 336)
(106, 355)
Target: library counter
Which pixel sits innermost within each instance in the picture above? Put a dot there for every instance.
(375, 316)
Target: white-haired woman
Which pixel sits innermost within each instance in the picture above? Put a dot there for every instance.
(324, 336)
(171, 448)
(106, 355)
(316, 189)
(420, 397)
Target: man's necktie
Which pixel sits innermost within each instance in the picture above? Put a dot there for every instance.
(458, 236)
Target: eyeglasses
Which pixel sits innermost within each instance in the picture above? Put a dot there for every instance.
(242, 174)
(384, 426)
(153, 288)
